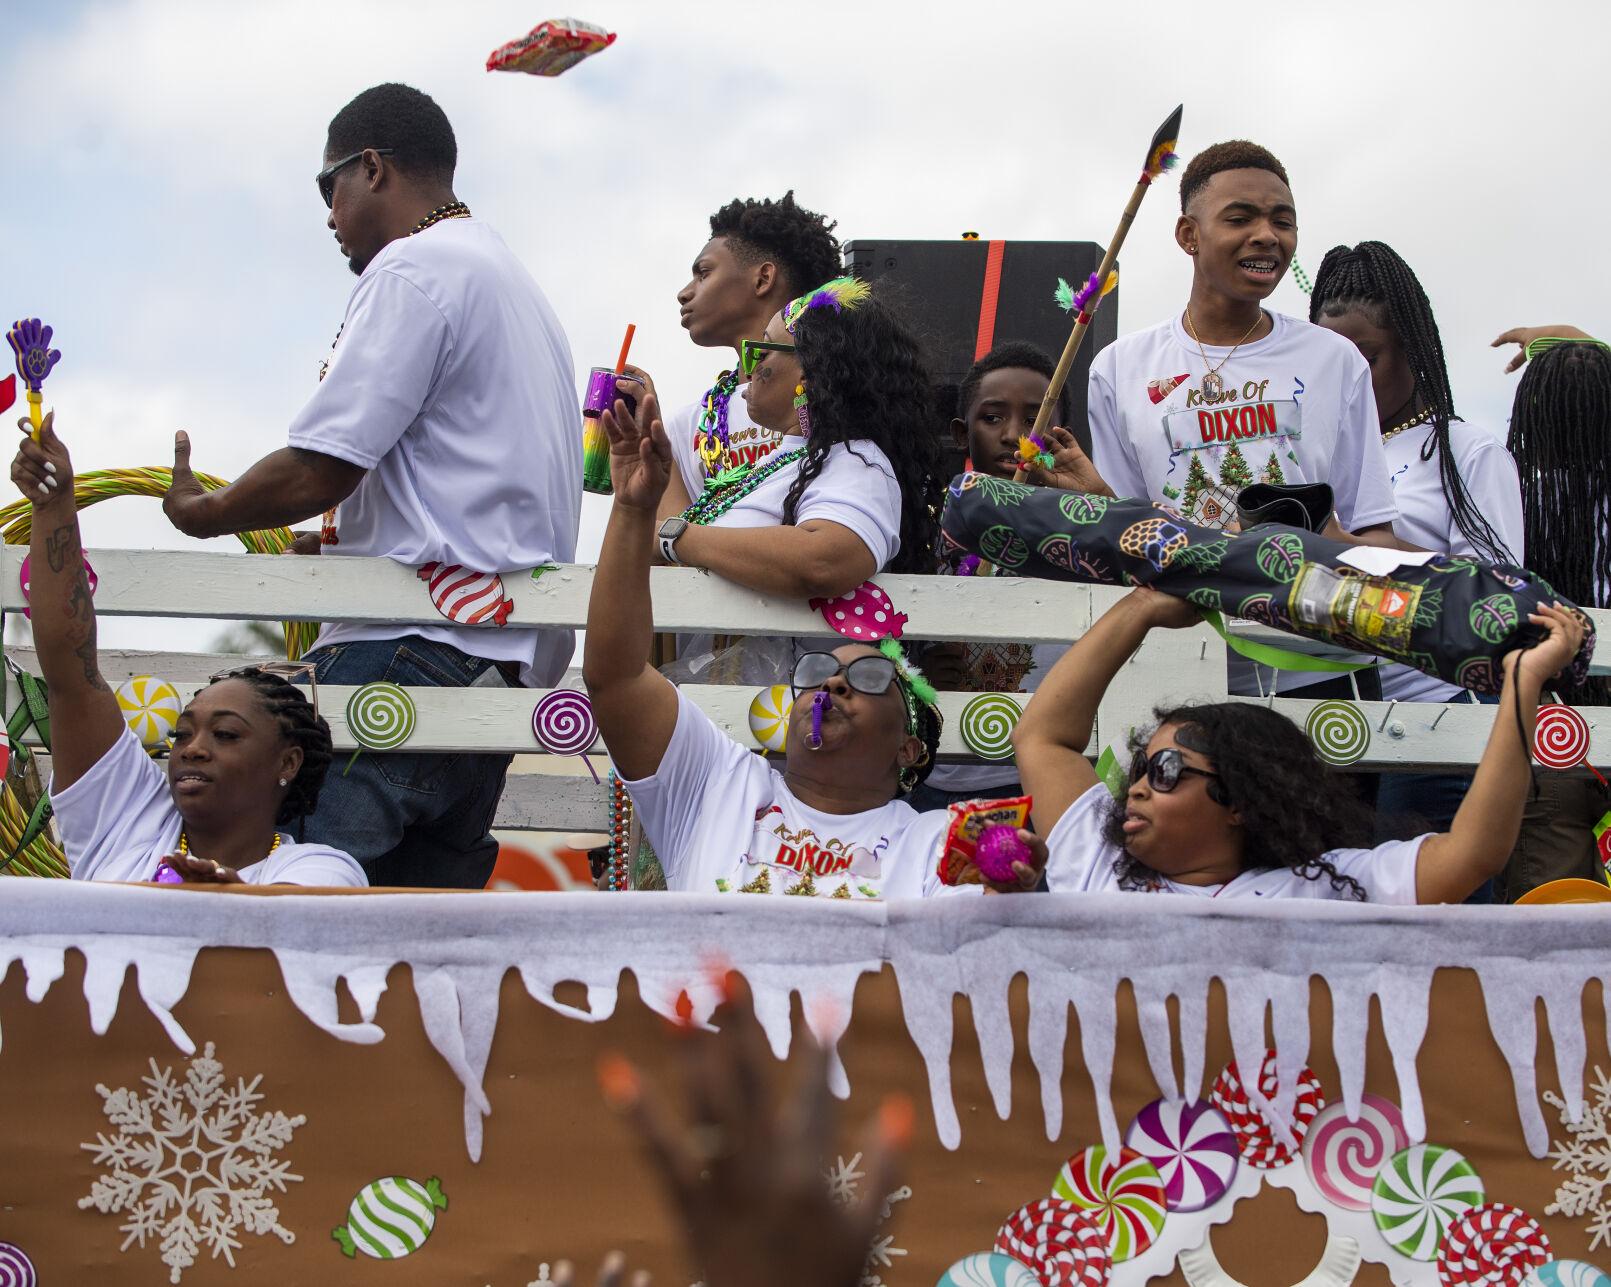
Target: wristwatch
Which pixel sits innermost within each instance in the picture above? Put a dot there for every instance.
(670, 530)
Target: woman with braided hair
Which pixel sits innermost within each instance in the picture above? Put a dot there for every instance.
(1454, 484)
(249, 752)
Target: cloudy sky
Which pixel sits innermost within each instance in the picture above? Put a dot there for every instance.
(160, 211)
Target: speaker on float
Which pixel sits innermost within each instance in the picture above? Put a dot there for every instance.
(963, 297)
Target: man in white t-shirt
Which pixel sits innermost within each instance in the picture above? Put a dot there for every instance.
(761, 254)
(1226, 394)
(443, 431)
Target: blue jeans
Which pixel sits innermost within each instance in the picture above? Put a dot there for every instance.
(414, 820)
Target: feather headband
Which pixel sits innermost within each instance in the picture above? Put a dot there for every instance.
(839, 294)
(913, 684)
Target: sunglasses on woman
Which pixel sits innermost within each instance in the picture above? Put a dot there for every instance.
(1164, 768)
(751, 352)
(326, 178)
(870, 675)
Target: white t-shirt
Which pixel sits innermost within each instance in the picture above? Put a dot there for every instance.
(720, 816)
(1301, 410)
(118, 821)
(452, 384)
(1426, 518)
(747, 442)
(997, 668)
(1081, 861)
(857, 490)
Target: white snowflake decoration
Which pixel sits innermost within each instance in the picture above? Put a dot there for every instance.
(192, 1163)
(1586, 1154)
(843, 1179)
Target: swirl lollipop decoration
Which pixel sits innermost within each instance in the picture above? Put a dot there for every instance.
(563, 724)
(1125, 1195)
(1343, 1157)
(1419, 1194)
(30, 345)
(1191, 1146)
(1493, 1245)
(380, 716)
(987, 724)
(1566, 1273)
(16, 1270)
(1340, 733)
(1560, 738)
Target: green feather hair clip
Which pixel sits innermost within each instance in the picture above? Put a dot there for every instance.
(911, 679)
(839, 294)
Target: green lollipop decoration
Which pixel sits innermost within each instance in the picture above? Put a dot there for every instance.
(380, 716)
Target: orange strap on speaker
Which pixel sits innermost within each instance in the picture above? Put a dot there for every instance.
(989, 298)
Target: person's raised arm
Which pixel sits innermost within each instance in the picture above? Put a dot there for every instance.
(636, 706)
(1525, 335)
(85, 720)
(1051, 738)
(1454, 863)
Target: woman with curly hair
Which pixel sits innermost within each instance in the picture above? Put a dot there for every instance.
(852, 487)
(249, 752)
(1230, 799)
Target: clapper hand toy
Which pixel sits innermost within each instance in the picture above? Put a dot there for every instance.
(30, 344)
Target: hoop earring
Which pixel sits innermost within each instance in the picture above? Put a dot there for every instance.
(802, 410)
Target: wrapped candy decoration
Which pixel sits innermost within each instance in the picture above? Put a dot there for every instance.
(1445, 615)
(551, 47)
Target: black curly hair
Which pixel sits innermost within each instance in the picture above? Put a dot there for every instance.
(289, 707)
(867, 383)
(402, 118)
(1233, 154)
(1373, 279)
(799, 241)
(1011, 355)
(1294, 810)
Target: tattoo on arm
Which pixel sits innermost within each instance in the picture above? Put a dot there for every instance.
(59, 544)
(81, 611)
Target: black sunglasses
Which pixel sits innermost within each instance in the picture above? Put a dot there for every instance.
(870, 675)
(326, 178)
(750, 351)
(1164, 769)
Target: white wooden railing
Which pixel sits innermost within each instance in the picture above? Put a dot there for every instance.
(1171, 665)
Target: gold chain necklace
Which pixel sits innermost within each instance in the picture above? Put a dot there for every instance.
(452, 210)
(1212, 384)
(184, 846)
(1419, 418)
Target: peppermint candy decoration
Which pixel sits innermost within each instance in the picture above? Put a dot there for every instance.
(769, 717)
(1566, 1273)
(1192, 1148)
(380, 716)
(1255, 1133)
(150, 707)
(563, 723)
(465, 597)
(866, 614)
(987, 724)
(1493, 1245)
(1343, 1157)
(1419, 1193)
(1125, 1194)
(988, 1269)
(24, 580)
(1339, 731)
(1560, 737)
(16, 1270)
(391, 1218)
(1062, 1244)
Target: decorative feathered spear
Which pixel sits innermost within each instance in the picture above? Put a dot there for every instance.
(1160, 157)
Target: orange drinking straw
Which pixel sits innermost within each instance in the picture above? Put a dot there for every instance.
(626, 346)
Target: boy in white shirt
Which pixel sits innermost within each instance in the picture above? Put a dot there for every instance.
(1226, 394)
(444, 431)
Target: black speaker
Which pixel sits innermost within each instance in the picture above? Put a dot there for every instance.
(962, 297)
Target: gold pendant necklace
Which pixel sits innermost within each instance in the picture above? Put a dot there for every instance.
(1213, 384)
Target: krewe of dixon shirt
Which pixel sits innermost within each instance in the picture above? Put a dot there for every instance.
(721, 819)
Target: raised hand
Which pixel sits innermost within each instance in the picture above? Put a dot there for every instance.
(1525, 335)
(745, 1175)
(640, 453)
(184, 494)
(1537, 665)
(1072, 470)
(42, 470)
